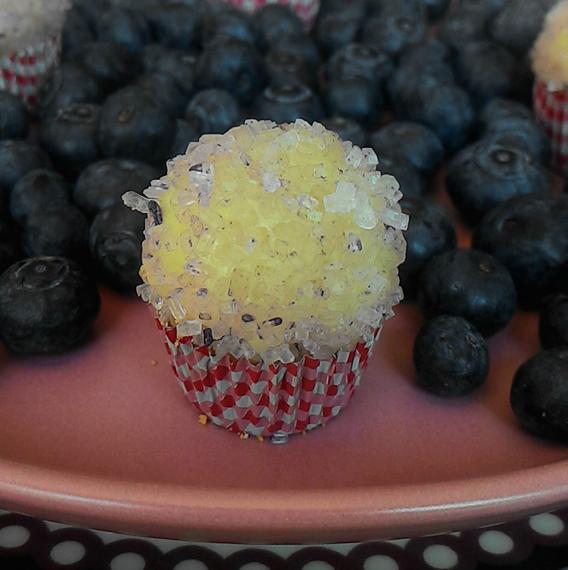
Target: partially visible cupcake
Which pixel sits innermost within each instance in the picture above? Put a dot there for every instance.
(271, 259)
(550, 65)
(30, 32)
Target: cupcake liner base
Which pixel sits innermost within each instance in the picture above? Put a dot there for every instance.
(261, 400)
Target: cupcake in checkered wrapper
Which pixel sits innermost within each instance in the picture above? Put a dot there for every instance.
(550, 64)
(271, 259)
(30, 32)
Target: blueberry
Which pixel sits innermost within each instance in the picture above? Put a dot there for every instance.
(470, 284)
(435, 9)
(110, 63)
(70, 137)
(275, 20)
(14, 121)
(17, 158)
(539, 395)
(135, 125)
(450, 357)
(529, 235)
(337, 28)
(553, 327)
(487, 173)
(299, 45)
(123, 26)
(234, 66)
(229, 23)
(177, 64)
(462, 26)
(103, 183)
(165, 90)
(412, 182)
(91, 11)
(355, 98)
(410, 141)
(186, 132)
(214, 111)
(77, 31)
(37, 191)
(487, 70)
(176, 26)
(288, 102)
(116, 246)
(347, 129)
(430, 232)
(428, 58)
(286, 68)
(10, 250)
(47, 305)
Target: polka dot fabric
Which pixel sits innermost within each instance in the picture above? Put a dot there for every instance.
(306, 9)
(55, 546)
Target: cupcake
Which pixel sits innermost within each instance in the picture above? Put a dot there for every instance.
(30, 33)
(550, 65)
(271, 259)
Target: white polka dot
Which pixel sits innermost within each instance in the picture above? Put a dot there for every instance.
(14, 536)
(317, 565)
(191, 565)
(496, 542)
(380, 562)
(67, 552)
(440, 556)
(254, 566)
(128, 561)
(547, 524)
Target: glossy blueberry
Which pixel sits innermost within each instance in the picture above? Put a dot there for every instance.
(462, 26)
(124, 26)
(165, 90)
(116, 246)
(451, 357)
(355, 98)
(10, 250)
(539, 394)
(529, 235)
(288, 102)
(135, 125)
(435, 9)
(177, 64)
(340, 27)
(430, 232)
(186, 132)
(70, 137)
(214, 111)
(228, 23)
(410, 141)
(488, 173)
(553, 327)
(428, 58)
(412, 182)
(37, 191)
(17, 158)
(299, 45)
(103, 183)
(275, 20)
(234, 66)
(285, 68)
(470, 284)
(176, 26)
(347, 129)
(77, 31)
(14, 122)
(47, 305)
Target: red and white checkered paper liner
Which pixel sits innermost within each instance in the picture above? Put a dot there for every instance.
(21, 73)
(266, 400)
(306, 9)
(551, 110)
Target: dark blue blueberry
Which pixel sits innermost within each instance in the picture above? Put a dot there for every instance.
(17, 158)
(430, 232)
(37, 191)
(77, 31)
(435, 9)
(103, 183)
(355, 98)
(135, 125)
(123, 26)
(463, 25)
(116, 246)
(186, 132)
(14, 120)
(487, 173)
(529, 235)
(539, 395)
(410, 141)
(299, 45)
(499, 110)
(67, 85)
(273, 21)
(288, 102)
(451, 357)
(430, 57)
(234, 66)
(228, 23)
(412, 182)
(214, 111)
(177, 64)
(165, 90)
(470, 284)
(70, 137)
(47, 305)
(176, 26)
(110, 63)
(347, 129)
(553, 326)
(339, 27)
(10, 250)
(91, 11)
(284, 68)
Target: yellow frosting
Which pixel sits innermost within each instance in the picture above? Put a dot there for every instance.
(279, 239)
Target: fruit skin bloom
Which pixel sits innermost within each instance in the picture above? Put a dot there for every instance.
(275, 240)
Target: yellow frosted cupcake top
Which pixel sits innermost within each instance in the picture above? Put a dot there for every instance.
(273, 240)
(550, 53)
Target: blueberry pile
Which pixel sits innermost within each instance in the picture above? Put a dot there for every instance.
(435, 88)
